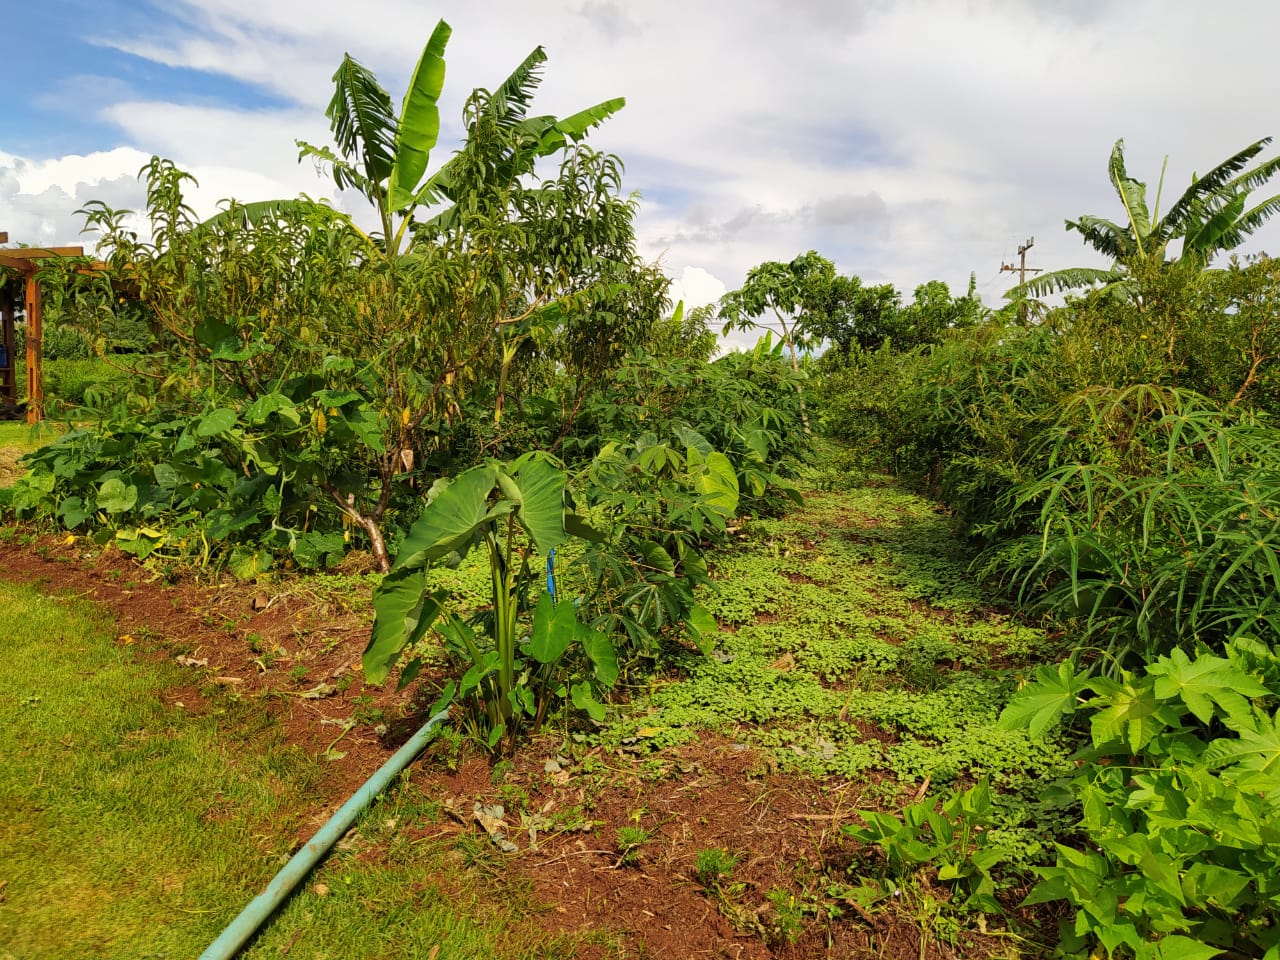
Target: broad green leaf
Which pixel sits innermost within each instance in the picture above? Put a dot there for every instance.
(211, 331)
(216, 422)
(584, 699)
(1207, 881)
(248, 564)
(451, 520)
(718, 482)
(704, 627)
(72, 513)
(1039, 705)
(576, 125)
(1204, 682)
(1178, 947)
(554, 627)
(313, 550)
(366, 424)
(576, 526)
(1132, 714)
(603, 656)
(419, 125)
(115, 497)
(333, 399)
(692, 438)
(269, 403)
(402, 610)
(1254, 753)
(655, 557)
(234, 350)
(539, 492)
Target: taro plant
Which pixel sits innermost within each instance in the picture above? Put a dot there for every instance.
(508, 678)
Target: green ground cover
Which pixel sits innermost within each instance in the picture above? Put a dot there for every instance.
(133, 828)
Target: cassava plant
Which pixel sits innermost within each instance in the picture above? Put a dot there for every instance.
(1177, 853)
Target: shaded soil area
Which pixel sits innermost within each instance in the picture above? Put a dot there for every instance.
(610, 840)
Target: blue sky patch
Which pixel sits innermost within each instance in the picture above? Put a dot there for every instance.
(60, 75)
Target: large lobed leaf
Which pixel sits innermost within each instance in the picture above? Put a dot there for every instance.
(451, 521)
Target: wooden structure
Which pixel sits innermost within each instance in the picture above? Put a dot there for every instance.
(24, 262)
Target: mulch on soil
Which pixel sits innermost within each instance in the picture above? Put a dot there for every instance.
(258, 640)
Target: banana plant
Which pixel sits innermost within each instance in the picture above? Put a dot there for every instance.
(1210, 217)
(516, 511)
(385, 157)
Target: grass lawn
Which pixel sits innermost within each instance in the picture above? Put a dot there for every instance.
(135, 826)
(16, 438)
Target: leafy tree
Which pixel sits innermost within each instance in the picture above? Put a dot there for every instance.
(1211, 216)
(683, 335)
(788, 291)
(383, 344)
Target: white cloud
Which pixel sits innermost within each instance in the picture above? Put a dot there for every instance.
(697, 287)
(906, 141)
(39, 199)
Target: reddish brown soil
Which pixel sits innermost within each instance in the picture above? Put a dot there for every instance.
(258, 640)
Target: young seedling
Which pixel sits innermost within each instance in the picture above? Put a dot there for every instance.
(630, 840)
(713, 864)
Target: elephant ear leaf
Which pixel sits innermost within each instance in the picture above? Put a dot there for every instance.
(419, 126)
(537, 487)
(451, 521)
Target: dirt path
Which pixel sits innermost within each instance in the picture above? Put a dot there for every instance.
(762, 751)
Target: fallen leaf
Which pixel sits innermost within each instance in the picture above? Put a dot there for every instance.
(492, 818)
(319, 692)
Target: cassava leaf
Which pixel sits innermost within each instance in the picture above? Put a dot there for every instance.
(1039, 705)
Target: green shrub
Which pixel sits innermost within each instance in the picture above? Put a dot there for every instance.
(1178, 850)
(1156, 523)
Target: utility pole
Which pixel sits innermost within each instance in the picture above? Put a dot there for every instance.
(1022, 270)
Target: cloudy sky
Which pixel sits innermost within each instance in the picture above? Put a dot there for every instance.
(906, 141)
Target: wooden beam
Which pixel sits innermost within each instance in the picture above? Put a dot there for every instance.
(14, 264)
(41, 253)
(34, 332)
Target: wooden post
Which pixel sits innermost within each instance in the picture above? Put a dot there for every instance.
(35, 329)
(8, 376)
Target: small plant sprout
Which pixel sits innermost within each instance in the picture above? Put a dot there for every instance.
(629, 841)
(713, 864)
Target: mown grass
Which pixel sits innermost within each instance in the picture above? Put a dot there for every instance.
(133, 828)
(16, 438)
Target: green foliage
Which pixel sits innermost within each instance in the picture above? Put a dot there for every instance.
(948, 841)
(630, 839)
(508, 681)
(287, 310)
(1156, 525)
(1179, 850)
(1208, 218)
(714, 865)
